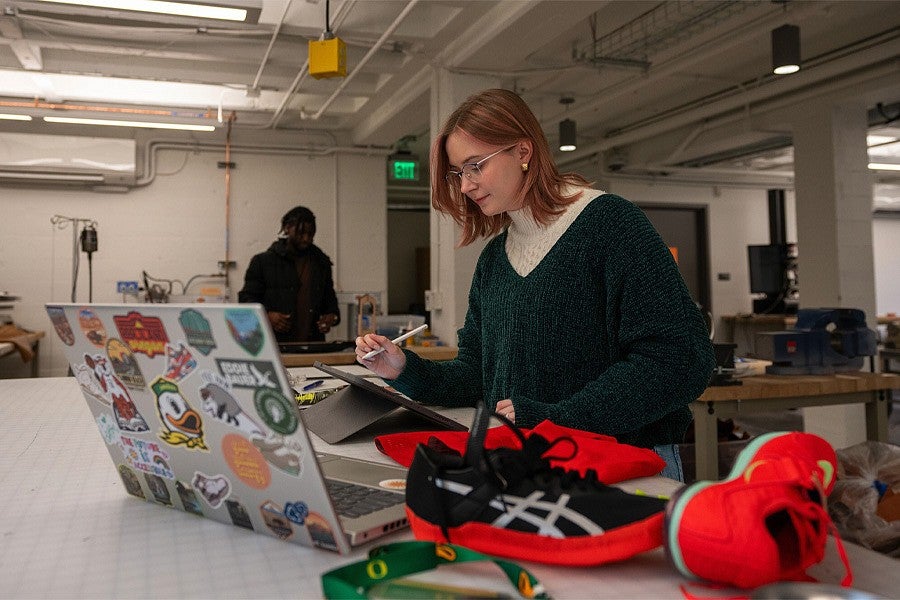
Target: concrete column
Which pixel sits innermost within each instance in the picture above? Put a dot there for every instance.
(834, 234)
(451, 267)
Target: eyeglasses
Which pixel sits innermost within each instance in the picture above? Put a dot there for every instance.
(472, 171)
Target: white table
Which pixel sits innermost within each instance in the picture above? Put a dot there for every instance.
(69, 530)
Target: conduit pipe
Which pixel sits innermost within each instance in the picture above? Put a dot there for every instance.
(265, 58)
(366, 58)
(342, 13)
(148, 171)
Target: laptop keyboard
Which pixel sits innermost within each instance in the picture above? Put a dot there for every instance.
(354, 500)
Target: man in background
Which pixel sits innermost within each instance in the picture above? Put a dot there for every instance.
(293, 281)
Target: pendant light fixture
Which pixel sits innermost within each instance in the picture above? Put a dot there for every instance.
(786, 50)
(567, 129)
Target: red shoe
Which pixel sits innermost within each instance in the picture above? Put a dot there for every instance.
(765, 522)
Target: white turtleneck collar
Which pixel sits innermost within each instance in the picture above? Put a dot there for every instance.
(528, 242)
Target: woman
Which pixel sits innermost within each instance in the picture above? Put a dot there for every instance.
(577, 312)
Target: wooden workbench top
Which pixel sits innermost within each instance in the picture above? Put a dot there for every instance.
(787, 386)
(349, 357)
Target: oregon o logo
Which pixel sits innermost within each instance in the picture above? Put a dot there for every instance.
(377, 569)
(445, 552)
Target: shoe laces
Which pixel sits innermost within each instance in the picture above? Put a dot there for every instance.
(509, 466)
(812, 524)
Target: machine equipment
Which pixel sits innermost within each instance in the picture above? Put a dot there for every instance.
(824, 341)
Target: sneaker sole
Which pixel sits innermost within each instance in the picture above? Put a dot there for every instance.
(612, 546)
(680, 499)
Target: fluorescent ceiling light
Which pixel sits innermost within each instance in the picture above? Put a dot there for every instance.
(15, 117)
(884, 166)
(28, 175)
(183, 9)
(145, 124)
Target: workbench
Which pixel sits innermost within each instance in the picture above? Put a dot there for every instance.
(768, 393)
(71, 531)
(348, 357)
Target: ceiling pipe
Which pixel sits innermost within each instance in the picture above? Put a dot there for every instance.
(148, 171)
(366, 58)
(820, 81)
(342, 14)
(265, 58)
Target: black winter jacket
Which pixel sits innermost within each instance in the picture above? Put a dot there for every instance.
(271, 280)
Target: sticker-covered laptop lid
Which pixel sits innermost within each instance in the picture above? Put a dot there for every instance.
(197, 414)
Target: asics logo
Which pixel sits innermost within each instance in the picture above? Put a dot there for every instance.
(541, 514)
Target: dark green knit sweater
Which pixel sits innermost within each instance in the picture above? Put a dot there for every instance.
(602, 335)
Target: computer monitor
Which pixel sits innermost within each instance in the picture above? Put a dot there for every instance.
(767, 268)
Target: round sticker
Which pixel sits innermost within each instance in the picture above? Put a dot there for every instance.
(275, 410)
(246, 461)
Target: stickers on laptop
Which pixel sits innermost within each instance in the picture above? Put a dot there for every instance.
(274, 518)
(284, 454)
(179, 362)
(218, 402)
(144, 335)
(124, 364)
(131, 482)
(128, 418)
(92, 327)
(214, 489)
(181, 424)
(158, 488)
(320, 531)
(276, 411)
(61, 324)
(246, 461)
(188, 498)
(238, 513)
(296, 512)
(245, 328)
(197, 330)
(250, 374)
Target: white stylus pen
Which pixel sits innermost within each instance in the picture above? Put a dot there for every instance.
(397, 340)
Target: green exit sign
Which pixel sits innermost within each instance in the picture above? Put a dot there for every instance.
(404, 170)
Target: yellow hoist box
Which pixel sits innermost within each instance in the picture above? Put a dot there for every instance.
(327, 58)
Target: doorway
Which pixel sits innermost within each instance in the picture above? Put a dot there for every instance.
(685, 229)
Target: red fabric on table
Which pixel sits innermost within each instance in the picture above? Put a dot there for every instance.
(612, 461)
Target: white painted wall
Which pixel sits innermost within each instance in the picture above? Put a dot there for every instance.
(175, 229)
(886, 242)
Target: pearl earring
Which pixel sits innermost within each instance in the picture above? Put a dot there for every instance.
(524, 167)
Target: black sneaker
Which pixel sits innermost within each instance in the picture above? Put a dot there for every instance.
(511, 502)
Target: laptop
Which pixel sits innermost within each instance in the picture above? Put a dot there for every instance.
(364, 403)
(194, 405)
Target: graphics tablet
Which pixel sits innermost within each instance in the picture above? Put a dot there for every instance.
(361, 404)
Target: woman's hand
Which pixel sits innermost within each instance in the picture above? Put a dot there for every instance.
(388, 364)
(505, 408)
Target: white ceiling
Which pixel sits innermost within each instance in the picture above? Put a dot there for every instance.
(658, 87)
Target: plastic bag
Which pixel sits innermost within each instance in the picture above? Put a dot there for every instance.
(865, 502)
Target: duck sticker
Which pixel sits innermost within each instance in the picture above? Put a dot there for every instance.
(124, 409)
(245, 328)
(181, 424)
